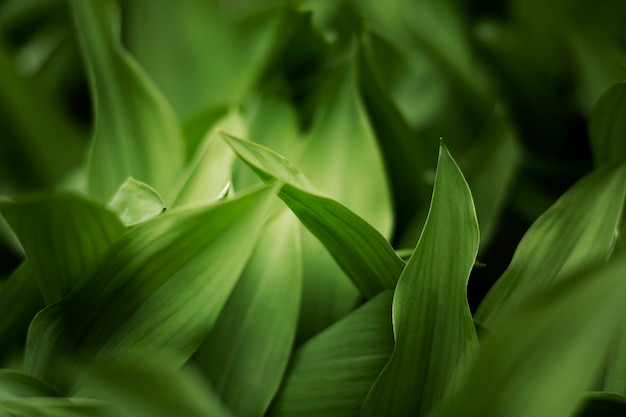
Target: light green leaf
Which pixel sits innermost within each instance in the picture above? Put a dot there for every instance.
(607, 126)
(541, 358)
(433, 327)
(210, 169)
(196, 127)
(157, 292)
(135, 202)
(20, 300)
(579, 229)
(366, 256)
(246, 353)
(139, 389)
(206, 57)
(333, 371)
(63, 235)
(137, 133)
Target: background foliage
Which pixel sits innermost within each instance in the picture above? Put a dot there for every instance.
(246, 208)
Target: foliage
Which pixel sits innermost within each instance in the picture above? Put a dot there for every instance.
(312, 208)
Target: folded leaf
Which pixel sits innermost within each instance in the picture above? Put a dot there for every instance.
(333, 371)
(156, 293)
(63, 235)
(246, 353)
(542, 357)
(433, 326)
(607, 127)
(135, 202)
(579, 229)
(137, 133)
(365, 255)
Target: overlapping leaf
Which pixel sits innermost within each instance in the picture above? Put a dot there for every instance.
(532, 364)
(62, 235)
(333, 371)
(156, 293)
(137, 133)
(579, 229)
(246, 353)
(365, 255)
(433, 327)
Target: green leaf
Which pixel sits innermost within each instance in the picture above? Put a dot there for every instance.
(246, 353)
(614, 378)
(333, 371)
(54, 407)
(137, 133)
(63, 235)
(579, 229)
(138, 389)
(196, 127)
(210, 169)
(135, 202)
(363, 253)
(541, 358)
(607, 126)
(17, 384)
(20, 300)
(157, 292)
(206, 57)
(431, 296)
(40, 143)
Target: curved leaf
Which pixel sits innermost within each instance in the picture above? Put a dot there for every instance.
(579, 229)
(135, 202)
(62, 235)
(365, 255)
(156, 293)
(433, 327)
(333, 371)
(607, 126)
(246, 353)
(17, 384)
(541, 358)
(137, 133)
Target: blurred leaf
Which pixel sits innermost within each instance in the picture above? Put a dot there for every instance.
(396, 138)
(578, 230)
(54, 407)
(210, 169)
(135, 202)
(540, 359)
(366, 257)
(17, 384)
(333, 371)
(40, 143)
(491, 166)
(607, 126)
(157, 292)
(196, 127)
(136, 389)
(136, 132)
(614, 379)
(20, 300)
(63, 236)
(431, 296)
(205, 57)
(246, 353)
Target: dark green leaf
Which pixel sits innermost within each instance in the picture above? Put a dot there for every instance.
(333, 371)
(579, 229)
(62, 235)
(137, 133)
(433, 326)
(541, 358)
(157, 292)
(607, 126)
(135, 202)
(246, 353)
